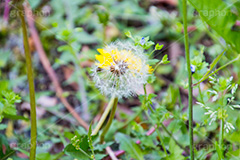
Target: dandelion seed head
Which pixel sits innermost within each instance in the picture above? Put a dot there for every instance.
(121, 69)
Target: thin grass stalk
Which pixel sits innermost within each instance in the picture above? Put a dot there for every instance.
(31, 87)
(187, 55)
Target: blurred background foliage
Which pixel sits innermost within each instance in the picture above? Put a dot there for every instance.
(71, 31)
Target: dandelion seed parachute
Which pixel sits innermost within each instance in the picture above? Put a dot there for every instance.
(121, 69)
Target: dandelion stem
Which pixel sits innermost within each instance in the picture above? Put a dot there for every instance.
(31, 87)
(187, 55)
(104, 116)
(112, 114)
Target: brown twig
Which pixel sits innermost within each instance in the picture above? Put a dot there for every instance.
(117, 154)
(47, 66)
(111, 153)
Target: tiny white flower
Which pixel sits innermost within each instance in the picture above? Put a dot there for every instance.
(233, 91)
(211, 116)
(142, 41)
(199, 103)
(193, 68)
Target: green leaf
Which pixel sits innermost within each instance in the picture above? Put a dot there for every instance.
(101, 147)
(234, 137)
(34, 3)
(233, 155)
(1, 108)
(215, 61)
(219, 151)
(22, 151)
(15, 117)
(100, 156)
(153, 61)
(41, 156)
(70, 150)
(165, 59)
(3, 126)
(78, 29)
(238, 123)
(4, 57)
(219, 17)
(158, 47)
(128, 34)
(151, 78)
(141, 98)
(175, 151)
(151, 95)
(147, 45)
(210, 69)
(10, 110)
(103, 16)
(129, 146)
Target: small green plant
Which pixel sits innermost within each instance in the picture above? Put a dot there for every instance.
(7, 104)
(220, 99)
